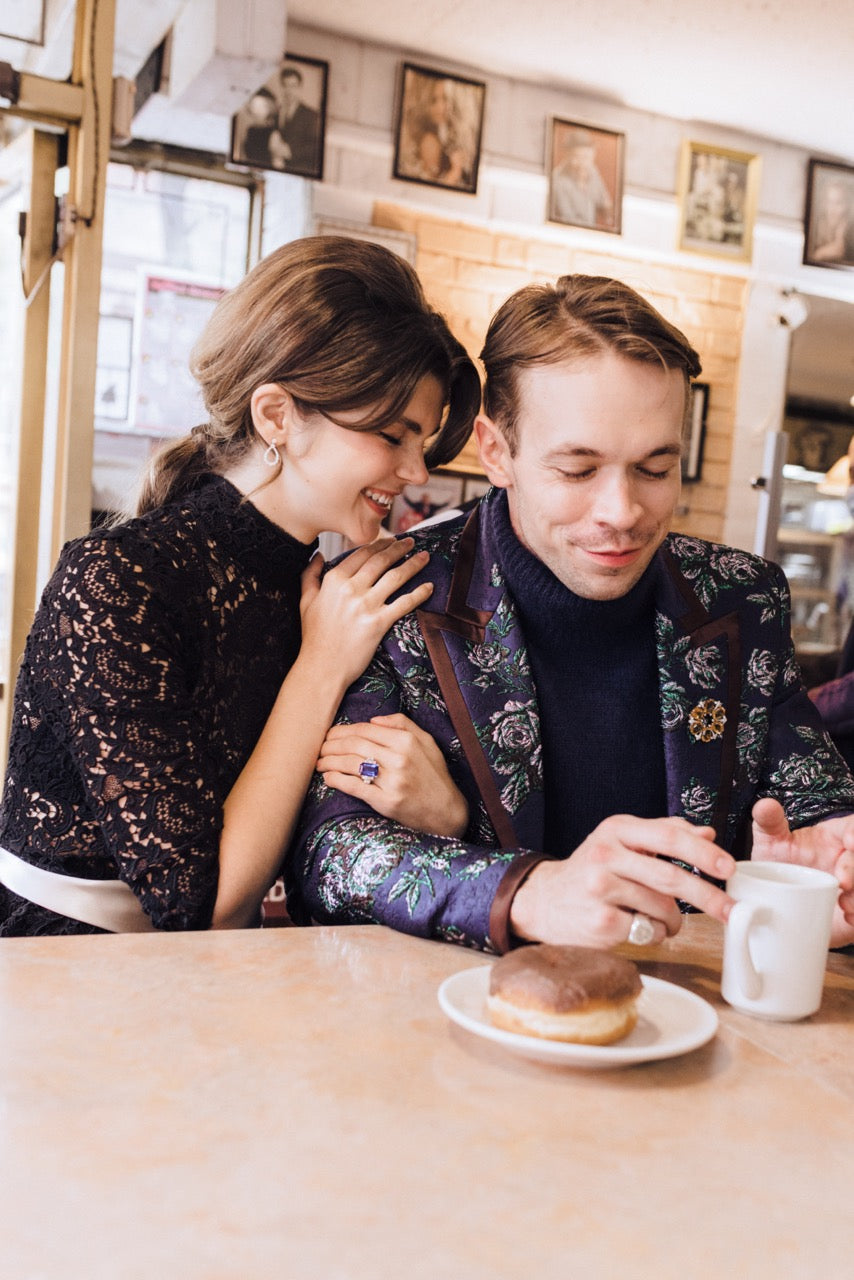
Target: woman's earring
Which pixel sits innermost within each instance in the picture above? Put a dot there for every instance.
(271, 455)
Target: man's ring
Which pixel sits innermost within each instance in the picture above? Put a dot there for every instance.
(642, 930)
(369, 771)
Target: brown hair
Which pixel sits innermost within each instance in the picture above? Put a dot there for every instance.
(577, 317)
(341, 324)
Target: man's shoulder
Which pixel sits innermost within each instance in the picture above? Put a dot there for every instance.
(716, 571)
(439, 534)
(718, 558)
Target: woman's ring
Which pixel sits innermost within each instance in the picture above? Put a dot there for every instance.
(642, 930)
(369, 771)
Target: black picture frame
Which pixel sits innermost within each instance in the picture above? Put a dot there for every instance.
(282, 125)
(829, 216)
(694, 440)
(438, 128)
(585, 166)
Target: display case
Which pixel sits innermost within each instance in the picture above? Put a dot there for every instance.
(815, 549)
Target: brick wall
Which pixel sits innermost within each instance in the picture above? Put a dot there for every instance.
(468, 271)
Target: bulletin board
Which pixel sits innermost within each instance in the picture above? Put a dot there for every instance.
(171, 314)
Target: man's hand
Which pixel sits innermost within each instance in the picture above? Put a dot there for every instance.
(589, 899)
(828, 845)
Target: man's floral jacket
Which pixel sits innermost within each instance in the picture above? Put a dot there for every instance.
(737, 724)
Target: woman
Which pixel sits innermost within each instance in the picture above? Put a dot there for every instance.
(184, 666)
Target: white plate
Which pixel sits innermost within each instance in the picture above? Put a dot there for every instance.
(671, 1021)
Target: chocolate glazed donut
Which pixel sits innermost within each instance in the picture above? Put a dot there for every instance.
(576, 994)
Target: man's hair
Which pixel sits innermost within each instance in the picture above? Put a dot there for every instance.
(290, 73)
(572, 320)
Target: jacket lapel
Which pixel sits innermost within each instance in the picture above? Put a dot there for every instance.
(478, 653)
(699, 659)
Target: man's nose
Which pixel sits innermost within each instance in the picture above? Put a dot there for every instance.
(616, 503)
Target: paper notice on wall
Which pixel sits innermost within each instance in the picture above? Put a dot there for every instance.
(170, 317)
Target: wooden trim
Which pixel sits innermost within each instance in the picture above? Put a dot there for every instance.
(36, 259)
(88, 154)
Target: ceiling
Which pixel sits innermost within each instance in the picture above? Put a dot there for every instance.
(777, 69)
(773, 69)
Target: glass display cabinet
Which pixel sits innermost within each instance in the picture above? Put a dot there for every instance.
(815, 549)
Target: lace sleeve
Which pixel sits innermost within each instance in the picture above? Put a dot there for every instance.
(114, 657)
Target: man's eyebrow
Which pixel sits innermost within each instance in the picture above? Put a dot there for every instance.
(412, 425)
(583, 451)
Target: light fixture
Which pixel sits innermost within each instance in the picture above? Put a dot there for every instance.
(792, 309)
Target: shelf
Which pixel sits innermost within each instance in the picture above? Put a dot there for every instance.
(811, 593)
(808, 537)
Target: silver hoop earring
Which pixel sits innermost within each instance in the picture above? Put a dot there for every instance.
(271, 455)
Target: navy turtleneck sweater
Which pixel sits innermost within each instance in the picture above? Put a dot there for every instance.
(595, 670)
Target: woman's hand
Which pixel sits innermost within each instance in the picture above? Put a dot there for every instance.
(413, 785)
(345, 613)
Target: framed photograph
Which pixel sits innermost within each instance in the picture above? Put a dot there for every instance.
(586, 176)
(438, 128)
(283, 124)
(718, 192)
(418, 502)
(829, 216)
(818, 435)
(695, 433)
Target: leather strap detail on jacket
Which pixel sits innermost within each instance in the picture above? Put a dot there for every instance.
(499, 913)
(458, 610)
(432, 625)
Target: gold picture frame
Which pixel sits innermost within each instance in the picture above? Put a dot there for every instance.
(718, 195)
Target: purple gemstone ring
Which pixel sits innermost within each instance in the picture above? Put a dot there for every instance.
(369, 771)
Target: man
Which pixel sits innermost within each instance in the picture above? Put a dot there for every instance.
(295, 145)
(602, 692)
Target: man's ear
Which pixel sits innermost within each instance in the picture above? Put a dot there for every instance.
(273, 413)
(494, 451)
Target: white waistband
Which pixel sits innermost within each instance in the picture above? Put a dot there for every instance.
(107, 904)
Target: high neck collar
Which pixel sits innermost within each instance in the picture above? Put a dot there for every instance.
(245, 532)
(543, 600)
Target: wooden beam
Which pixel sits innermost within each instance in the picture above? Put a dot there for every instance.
(36, 258)
(88, 154)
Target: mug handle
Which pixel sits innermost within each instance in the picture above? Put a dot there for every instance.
(740, 919)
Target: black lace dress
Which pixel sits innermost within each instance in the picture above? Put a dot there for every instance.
(154, 661)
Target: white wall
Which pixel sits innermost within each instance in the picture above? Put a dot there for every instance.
(512, 191)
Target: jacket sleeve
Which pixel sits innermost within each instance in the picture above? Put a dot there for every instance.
(801, 768)
(349, 865)
(835, 702)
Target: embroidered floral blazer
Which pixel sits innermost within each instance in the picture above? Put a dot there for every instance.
(737, 725)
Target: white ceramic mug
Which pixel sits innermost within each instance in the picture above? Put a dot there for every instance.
(777, 935)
